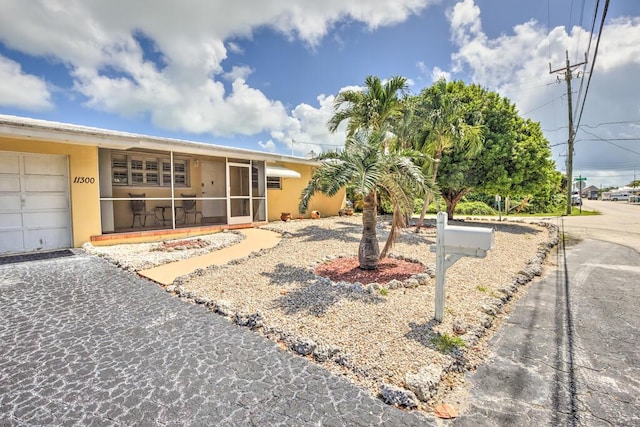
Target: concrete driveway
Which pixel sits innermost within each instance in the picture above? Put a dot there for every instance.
(568, 354)
(82, 342)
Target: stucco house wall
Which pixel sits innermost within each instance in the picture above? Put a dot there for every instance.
(88, 150)
(288, 198)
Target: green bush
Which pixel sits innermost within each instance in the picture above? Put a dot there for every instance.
(557, 203)
(474, 208)
(462, 208)
(385, 207)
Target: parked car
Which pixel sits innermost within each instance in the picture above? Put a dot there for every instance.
(576, 200)
(620, 195)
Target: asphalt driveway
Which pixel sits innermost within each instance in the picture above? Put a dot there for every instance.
(82, 342)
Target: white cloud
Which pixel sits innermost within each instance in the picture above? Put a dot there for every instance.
(517, 66)
(306, 129)
(434, 74)
(21, 90)
(238, 73)
(268, 146)
(437, 74)
(234, 47)
(465, 21)
(98, 42)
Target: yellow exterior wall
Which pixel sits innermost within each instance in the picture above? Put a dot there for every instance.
(287, 199)
(84, 197)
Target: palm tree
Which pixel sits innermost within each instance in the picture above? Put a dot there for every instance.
(445, 127)
(365, 165)
(373, 108)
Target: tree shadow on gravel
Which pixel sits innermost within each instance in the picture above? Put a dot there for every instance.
(410, 237)
(314, 294)
(314, 233)
(503, 227)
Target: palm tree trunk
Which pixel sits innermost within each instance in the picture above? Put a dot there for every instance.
(452, 197)
(369, 251)
(397, 222)
(425, 205)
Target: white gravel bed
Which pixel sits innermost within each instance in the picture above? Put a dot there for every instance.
(141, 256)
(372, 338)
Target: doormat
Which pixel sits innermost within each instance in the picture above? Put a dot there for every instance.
(34, 256)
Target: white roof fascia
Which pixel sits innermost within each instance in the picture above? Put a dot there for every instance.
(26, 128)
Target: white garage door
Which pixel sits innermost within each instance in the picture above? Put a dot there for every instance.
(34, 202)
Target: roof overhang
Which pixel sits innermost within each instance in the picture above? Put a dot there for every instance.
(43, 130)
(281, 172)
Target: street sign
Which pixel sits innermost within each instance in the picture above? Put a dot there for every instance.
(581, 179)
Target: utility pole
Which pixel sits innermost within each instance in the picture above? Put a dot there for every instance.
(568, 75)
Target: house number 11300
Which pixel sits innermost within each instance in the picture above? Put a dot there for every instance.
(83, 180)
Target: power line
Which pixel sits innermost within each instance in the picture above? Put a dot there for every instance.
(579, 33)
(593, 62)
(607, 139)
(619, 166)
(612, 143)
(623, 122)
(543, 105)
(593, 26)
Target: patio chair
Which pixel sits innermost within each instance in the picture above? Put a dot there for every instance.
(189, 208)
(139, 210)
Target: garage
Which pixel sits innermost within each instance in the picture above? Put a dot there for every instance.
(34, 202)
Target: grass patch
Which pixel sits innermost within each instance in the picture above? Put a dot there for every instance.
(533, 215)
(481, 288)
(576, 211)
(384, 292)
(446, 343)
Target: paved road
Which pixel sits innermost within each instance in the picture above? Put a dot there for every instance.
(568, 355)
(82, 342)
(619, 223)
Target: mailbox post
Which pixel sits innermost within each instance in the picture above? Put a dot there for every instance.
(456, 242)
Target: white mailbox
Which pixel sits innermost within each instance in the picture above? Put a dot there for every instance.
(468, 237)
(452, 243)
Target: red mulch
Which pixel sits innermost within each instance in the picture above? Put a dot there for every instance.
(348, 270)
(184, 244)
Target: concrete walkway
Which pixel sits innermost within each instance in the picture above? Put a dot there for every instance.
(255, 240)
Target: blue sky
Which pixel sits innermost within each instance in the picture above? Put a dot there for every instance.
(261, 74)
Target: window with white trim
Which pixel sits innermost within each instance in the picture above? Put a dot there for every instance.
(142, 170)
(274, 183)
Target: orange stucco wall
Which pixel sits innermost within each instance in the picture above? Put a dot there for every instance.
(287, 199)
(84, 197)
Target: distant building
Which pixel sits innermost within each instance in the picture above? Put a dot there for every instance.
(590, 193)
